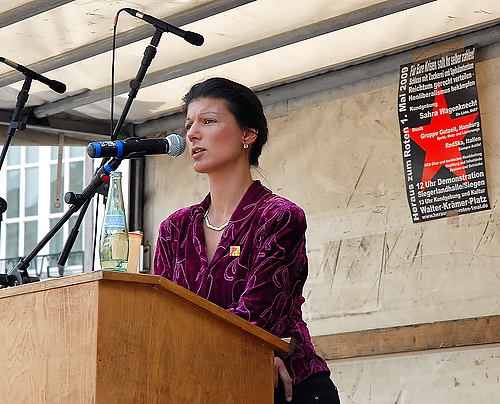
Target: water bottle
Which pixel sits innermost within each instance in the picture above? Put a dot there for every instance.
(113, 247)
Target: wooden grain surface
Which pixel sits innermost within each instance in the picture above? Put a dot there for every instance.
(410, 338)
(49, 340)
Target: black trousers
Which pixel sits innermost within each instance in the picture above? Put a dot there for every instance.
(317, 388)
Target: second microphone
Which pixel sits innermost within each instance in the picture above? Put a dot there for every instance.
(173, 145)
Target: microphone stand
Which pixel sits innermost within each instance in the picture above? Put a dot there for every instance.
(135, 84)
(149, 54)
(22, 97)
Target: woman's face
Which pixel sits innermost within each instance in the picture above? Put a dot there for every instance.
(215, 141)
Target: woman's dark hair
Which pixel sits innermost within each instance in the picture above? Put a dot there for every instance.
(243, 104)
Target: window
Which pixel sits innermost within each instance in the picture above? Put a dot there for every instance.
(30, 236)
(75, 176)
(31, 192)
(13, 193)
(32, 154)
(32, 211)
(14, 156)
(12, 240)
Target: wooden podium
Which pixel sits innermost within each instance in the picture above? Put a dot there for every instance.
(111, 337)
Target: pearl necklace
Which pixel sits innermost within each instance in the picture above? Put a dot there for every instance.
(207, 223)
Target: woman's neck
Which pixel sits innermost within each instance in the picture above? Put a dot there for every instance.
(226, 194)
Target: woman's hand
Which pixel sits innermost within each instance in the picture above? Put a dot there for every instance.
(280, 372)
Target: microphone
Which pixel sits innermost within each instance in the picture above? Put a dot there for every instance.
(57, 86)
(191, 37)
(173, 145)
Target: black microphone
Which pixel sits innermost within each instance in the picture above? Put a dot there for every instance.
(191, 37)
(57, 86)
(173, 145)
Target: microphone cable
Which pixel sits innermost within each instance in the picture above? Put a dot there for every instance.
(111, 129)
(113, 58)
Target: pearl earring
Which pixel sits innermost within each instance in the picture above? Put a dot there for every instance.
(245, 146)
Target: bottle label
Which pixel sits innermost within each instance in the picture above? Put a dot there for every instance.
(114, 221)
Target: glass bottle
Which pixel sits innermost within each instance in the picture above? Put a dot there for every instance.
(113, 247)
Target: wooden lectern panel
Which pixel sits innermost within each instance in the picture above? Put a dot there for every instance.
(49, 345)
(108, 337)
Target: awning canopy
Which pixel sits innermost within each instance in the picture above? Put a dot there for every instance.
(264, 44)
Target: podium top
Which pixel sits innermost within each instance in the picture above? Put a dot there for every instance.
(156, 281)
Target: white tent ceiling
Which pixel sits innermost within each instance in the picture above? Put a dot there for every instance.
(263, 44)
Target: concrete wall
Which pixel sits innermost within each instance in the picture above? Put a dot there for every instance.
(338, 155)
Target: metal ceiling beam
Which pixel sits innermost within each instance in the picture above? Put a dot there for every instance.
(71, 126)
(307, 32)
(124, 38)
(28, 10)
(36, 137)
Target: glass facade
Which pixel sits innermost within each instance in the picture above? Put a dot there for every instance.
(31, 192)
(14, 156)
(32, 154)
(33, 184)
(13, 193)
(12, 240)
(30, 236)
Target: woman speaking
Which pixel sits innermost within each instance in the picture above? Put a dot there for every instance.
(243, 247)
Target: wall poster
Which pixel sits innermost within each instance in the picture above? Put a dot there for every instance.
(441, 136)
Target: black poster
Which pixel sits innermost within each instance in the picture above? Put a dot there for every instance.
(441, 136)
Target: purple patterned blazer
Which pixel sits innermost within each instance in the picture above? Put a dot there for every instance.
(258, 269)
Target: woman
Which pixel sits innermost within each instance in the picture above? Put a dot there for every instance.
(242, 247)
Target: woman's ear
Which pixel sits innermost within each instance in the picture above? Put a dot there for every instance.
(250, 136)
